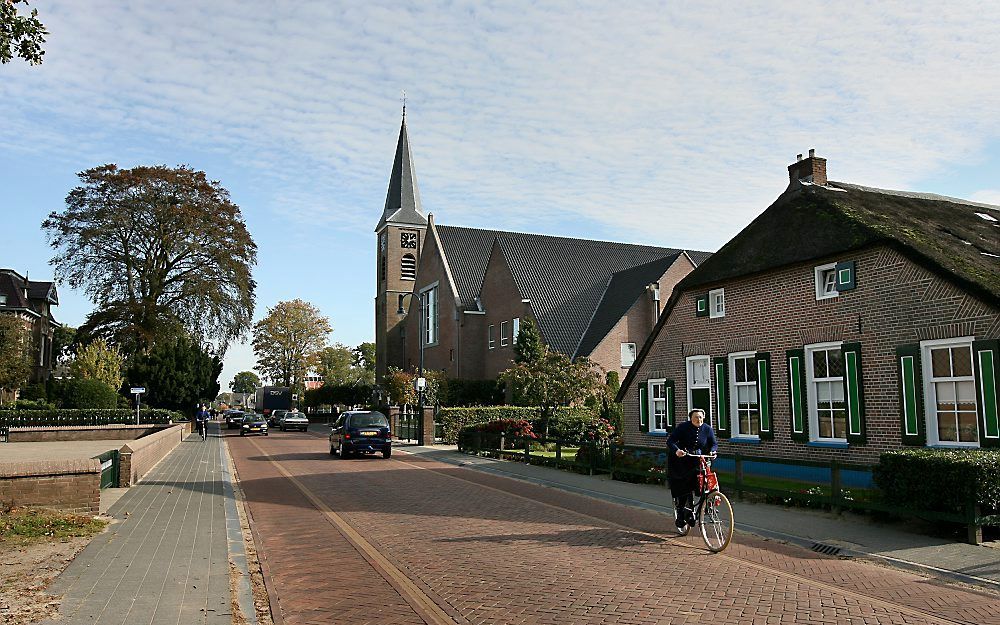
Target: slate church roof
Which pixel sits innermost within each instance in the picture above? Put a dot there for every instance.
(576, 286)
(402, 200)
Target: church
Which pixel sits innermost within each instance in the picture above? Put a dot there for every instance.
(452, 298)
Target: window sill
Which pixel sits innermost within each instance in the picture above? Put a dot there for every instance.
(953, 446)
(751, 440)
(829, 444)
(657, 433)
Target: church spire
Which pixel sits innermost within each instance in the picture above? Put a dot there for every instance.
(402, 201)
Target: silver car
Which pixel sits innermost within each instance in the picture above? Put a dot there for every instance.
(293, 421)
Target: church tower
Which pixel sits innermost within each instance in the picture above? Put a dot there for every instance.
(399, 239)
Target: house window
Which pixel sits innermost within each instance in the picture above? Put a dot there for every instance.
(950, 389)
(825, 394)
(699, 391)
(826, 281)
(515, 329)
(717, 303)
(429, 306)
(408, 267)
(628, 354)
(41, 352)
(489, 337)
(743, 389)
(503, 334)
(658, 405)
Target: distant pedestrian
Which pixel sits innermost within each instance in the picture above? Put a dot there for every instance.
(202, 420)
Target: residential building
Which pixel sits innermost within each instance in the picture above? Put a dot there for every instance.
(32, 302)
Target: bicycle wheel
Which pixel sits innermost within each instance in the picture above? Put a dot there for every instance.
(716, 520)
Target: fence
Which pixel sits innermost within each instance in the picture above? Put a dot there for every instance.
(61, 418)
(619, 461)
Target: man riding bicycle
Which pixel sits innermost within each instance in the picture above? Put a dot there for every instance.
(202, 419)
(691, 437)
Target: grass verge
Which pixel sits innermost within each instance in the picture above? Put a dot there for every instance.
(25, 526)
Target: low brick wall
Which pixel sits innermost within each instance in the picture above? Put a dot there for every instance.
(118, 431)
(69, 485)
(138, 457)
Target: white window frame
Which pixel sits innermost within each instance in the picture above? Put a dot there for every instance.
(629, 354)
(930, 390)
(429, 312)
(734, 403)
(820, 281)
(689, 368)
(652, 401)
(503, 334)
(515, 328)
(490, 336)
(716, 296)
(811, 394)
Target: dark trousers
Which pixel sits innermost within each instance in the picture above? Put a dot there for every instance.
(682, 486)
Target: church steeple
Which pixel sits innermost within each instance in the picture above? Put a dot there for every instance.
(402, 201)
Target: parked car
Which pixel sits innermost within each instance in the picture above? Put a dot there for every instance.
(361, 431)
(293, 421)
(275, 417)
(253, 424)
(234, 418)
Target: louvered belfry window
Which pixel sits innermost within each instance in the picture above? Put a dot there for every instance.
(408, 267)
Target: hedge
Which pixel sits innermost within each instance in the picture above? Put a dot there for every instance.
(940, 480)
(71, 417)
(454, 419)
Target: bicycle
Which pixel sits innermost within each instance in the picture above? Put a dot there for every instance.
(713, 512)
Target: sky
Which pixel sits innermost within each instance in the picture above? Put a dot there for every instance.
(662, 123)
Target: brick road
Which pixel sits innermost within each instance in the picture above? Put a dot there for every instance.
(454, 545)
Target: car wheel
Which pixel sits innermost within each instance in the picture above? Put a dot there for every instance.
(386, 453)
(342, 452)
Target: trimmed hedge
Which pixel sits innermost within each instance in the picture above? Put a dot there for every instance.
(71, 417)
(86, 393)
(940, 480)
(454, 419)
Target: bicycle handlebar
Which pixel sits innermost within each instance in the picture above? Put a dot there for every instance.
(712, 456)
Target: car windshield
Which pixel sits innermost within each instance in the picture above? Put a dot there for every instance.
(369, 419)
(250, 418)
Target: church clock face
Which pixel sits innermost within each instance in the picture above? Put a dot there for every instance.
(408, 240)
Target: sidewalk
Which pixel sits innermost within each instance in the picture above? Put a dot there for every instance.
(853, 535)
(165, 557)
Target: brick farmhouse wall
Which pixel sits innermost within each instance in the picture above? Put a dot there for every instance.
(896, 302)
(68, 485)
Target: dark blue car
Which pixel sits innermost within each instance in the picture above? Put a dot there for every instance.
(361, 432)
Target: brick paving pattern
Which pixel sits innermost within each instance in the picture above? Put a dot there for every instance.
(493, 550)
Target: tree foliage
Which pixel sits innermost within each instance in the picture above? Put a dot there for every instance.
(20, 34)
(334, 363)
(287, 341)
(364, 357)
(15, 354)
(159, 251)
(98, 361)
(177, 373)
(63, 342)
(529, 346)
(88, 393)
(553, 380)
(244, 382)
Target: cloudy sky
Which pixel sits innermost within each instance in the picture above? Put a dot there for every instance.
(661, 123)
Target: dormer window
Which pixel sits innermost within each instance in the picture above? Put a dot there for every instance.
(826, 281)
(408, 267)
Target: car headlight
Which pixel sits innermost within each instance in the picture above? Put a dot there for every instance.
(245, 425)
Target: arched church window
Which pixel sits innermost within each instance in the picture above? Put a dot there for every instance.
(408, 267)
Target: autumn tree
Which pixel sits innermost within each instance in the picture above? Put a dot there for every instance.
(15, 355)
(98, 361)
(553, 380)
(287, 341)
(160, 251)
(364, 358)
(244, 382)
(20, 34)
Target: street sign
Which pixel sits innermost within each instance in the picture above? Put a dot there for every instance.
(138, 389)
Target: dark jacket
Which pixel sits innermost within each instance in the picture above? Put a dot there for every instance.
(691, 439)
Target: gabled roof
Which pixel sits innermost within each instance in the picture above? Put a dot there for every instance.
(947, 235)
(402, 200)
(12, 285)
(565, 279)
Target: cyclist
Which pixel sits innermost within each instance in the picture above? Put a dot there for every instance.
(202, 419)
(692, 436)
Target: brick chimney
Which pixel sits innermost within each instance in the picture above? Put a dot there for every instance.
(812, 169)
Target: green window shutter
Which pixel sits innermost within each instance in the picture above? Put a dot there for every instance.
(701, 306)
(846, 278)
(643, 406)
(797, 395)
(857, 432)
(668, 387)
(911, 395)
(764, 400)
(985, 355)
(721, 370)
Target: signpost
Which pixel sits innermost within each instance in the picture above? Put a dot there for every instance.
(137, 391)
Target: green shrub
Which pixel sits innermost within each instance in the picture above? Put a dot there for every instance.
(33, 392)
(454, 419)
(571, 425)
(455, 393)
(31, 404)
(940, 480)
(88, 393)
(71, 417)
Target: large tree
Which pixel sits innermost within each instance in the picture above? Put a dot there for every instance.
(244, 382)
(287, 341)
(178, 373)
(15, 354)
(160, 251)
(364, 357)
(21, 34)
(335, 364)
